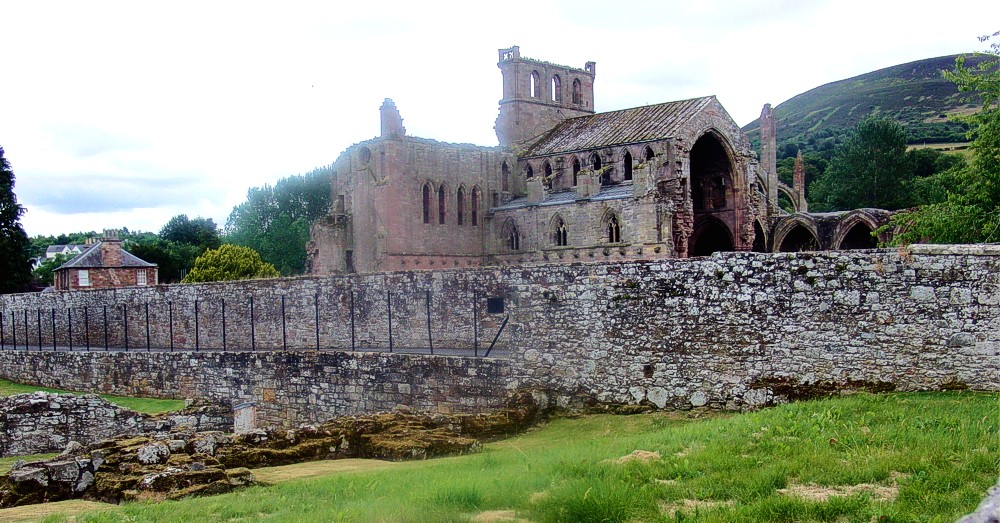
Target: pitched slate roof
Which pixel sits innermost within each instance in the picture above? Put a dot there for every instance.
(93, 258)
(638, 124)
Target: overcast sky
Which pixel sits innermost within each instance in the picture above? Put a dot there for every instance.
(124, 114)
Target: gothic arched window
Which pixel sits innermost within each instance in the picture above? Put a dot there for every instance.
(614, 229)
(627, 163)
(476, 197)
(441, 204)
(427, 203)
(577, 92)
(460, 206)
(559, 233)
(556, 88)
(533, 84)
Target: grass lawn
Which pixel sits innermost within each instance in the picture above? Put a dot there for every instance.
(895, 457)
(146, 405)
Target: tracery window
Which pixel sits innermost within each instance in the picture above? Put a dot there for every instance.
(614, 229)
(513, 238)
(560, 234)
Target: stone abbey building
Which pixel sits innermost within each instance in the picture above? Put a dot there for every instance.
(567, 184)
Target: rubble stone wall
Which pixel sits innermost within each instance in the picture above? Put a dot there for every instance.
(45, 422)
(735, 330)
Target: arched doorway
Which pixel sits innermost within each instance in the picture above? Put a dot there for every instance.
(859, 236)
(712, 236)
(799, 239)
(759, 238)
(712, 197)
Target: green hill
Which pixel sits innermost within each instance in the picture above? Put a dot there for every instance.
(914, 94)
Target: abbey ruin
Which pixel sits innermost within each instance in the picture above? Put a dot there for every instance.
(567, 184)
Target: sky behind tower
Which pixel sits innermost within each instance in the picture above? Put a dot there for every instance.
(128, 113)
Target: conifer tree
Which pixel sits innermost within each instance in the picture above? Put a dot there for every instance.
(15, 269)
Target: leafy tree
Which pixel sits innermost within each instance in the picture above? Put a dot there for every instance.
(969, 211)
(15, 267)
(172, 258)
(43, 274)
(201, 232)
(275, 221)
(230, 262)
(870, 169)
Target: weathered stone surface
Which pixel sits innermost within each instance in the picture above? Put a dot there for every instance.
(45, 422)
(988, 511)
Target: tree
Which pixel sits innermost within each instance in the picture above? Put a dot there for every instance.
(970, 209)
(15, 265)
(173, 259)
(43, 274)
(275, 221)
(201, 232)
(230, 262)
(870, 169)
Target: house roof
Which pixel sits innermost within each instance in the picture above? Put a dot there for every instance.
(93, 257)
(638, 124)
(59, 249)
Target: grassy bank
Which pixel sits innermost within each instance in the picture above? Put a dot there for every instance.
(898, 457)
(146, 405)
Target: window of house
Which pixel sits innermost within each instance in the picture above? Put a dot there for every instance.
(614, 230)
(441, 205)
(83, 277)
(140, 277)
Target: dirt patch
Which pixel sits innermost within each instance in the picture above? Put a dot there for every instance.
(498, 516)
(813, 492)
(38, 512)
(538, 496)
(692, 505)
(644, 456)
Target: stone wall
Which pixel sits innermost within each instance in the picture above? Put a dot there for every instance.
(736, 330)
(46, 422)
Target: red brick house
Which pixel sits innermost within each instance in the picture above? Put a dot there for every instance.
(103, 265)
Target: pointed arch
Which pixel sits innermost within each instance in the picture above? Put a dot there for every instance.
(612, 226)
(510, 236)
(711, 235)
(556, 85)
(577, 92)
(460, 205)
(559, 231)
(759, 237)
(576, 171)
(595, 161)
(855, 232)
(648, 154)
(796, 233)
(427, 191)
(477, 197)
(627, 166)
(529, 171)
(442, 206)
(533, 84)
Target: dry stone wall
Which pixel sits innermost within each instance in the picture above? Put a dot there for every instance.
(736, 330)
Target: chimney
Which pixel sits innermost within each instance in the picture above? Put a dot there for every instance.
(111, 249)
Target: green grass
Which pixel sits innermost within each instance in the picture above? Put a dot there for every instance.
(145, 405)
(7, 462)
(940, 452)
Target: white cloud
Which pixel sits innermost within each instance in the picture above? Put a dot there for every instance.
(127, 113)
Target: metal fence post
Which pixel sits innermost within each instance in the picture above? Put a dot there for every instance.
(475, 323)
(223, 325)
(352, 321)
(53, 311)
(106, 348)
(69, 324)
(430, 340)
(86, 327)
(253, 327)
(3, 344)
(388, 304)
(38, 313)
(197, 339)
(316, 317)
(125, 319)
(284, 336)
(26, 329)
(147, 326)
(170, 320)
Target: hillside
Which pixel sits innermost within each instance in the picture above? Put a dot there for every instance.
(914, 94)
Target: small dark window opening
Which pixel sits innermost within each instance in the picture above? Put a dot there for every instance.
(475, 206)
(595, 161)
(614, 230)
(627, 160)
(577, 92)
(528, 171)
(427, 203)
(561, 236)
(460, 206)
(494, 305)
(648, 154)
(341, 206)
(505, 177)
(441, 205)
(576, 171)
(496, 199)
(349, 260)
(513, 239)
